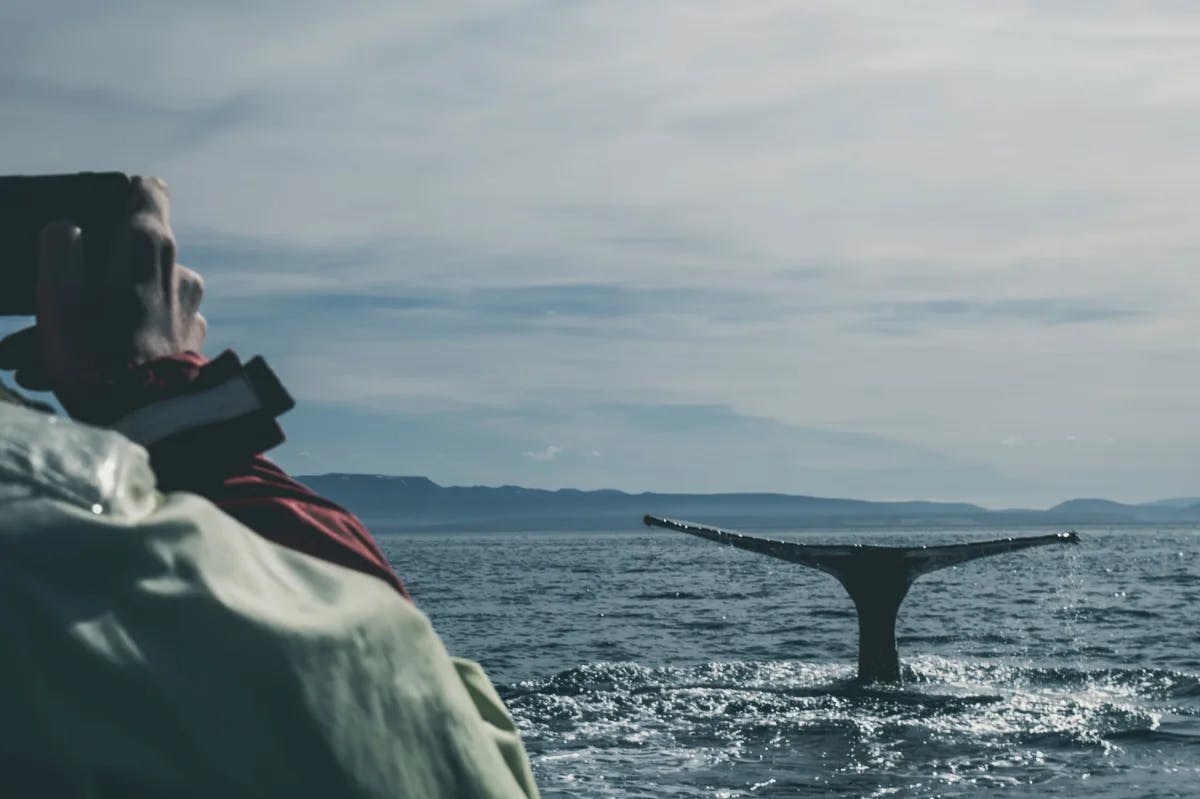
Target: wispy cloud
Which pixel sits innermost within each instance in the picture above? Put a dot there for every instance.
(911, 316)
(645, 447)
(933, 224)
(546, 455)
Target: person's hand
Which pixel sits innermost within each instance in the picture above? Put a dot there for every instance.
(141, 306)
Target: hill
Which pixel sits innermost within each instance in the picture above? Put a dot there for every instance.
(1177, 502)
(418, 503)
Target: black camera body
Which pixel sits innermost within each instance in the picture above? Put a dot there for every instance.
(96, 202)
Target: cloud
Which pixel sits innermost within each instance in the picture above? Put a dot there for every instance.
(934, 225)
(910, 316)
(548, 454)
(646, 447)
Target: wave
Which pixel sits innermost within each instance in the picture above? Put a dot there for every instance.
(947, 698)
(1108, 613)
(1147, 683)
(923, 669)
(694, 595)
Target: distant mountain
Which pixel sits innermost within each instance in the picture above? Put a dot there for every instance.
(1089, 506)
(1179, 502)
(418, 503)
(1104, 511)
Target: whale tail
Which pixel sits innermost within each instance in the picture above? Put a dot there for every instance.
(876, 578)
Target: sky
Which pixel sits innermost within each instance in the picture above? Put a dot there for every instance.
(933, 250)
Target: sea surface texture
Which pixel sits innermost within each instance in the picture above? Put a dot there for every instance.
(652, 664)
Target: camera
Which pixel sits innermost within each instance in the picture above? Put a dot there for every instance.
(96, 202)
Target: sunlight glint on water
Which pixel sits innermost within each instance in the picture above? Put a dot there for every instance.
(648, 664)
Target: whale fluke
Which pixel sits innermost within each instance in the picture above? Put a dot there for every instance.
(877, 578)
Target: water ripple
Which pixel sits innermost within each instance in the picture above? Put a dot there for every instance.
(654, 665)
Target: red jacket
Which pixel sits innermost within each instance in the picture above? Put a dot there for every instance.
(263, 497)
(206, 434)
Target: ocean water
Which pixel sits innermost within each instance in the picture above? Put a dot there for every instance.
(653, 664)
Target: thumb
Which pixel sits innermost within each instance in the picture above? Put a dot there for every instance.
(63, 321)
(60, 267)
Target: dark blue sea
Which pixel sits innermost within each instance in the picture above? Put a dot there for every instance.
(652, 664)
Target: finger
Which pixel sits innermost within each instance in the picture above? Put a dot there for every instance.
(61, 275)
(143, 248)
(143, 259)
(60, 259)
(196, 334)
(149, 195)
(19, 349)
(151, 255)
(63, 329)
(190, 289)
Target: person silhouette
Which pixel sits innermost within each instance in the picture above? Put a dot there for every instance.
(181, 617)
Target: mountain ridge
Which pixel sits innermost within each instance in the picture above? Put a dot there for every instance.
(417, 503)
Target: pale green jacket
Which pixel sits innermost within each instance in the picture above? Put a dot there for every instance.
(154, 647)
